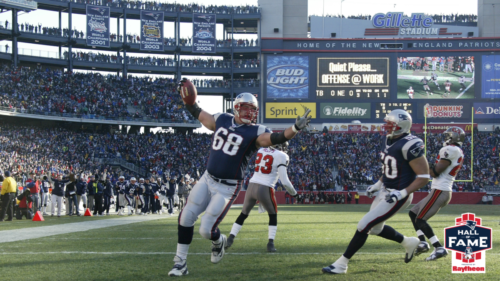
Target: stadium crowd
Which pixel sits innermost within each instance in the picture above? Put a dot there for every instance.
(172, 7)
(39, 91)
(217, 83)
(314, 157)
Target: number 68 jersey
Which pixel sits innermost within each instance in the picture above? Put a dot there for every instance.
(396, 170)
(455, 156)
(232, 146)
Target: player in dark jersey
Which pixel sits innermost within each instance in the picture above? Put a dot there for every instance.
(405, 170)
(121, 186)
(434, 79)
(425, 83)
(236, 137)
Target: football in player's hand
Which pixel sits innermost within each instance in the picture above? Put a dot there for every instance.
(188, 91)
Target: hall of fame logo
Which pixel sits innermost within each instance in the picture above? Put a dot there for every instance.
(468, 241)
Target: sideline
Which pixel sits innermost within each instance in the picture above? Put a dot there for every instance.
(203, 254)
(44, 231)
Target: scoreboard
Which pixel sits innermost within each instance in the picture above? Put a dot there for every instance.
(352, 78)
(384, 108)
(341, 81)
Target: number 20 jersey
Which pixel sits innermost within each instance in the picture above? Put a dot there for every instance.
(232, 146)
(396, 170)
(455, 156)
(266, 166)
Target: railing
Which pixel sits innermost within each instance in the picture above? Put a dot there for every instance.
(171, 7)
(225, 84)
(38, 53)
(95, 116)
(125, 164)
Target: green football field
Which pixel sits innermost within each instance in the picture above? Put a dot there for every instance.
(407, 78)
(309, 237)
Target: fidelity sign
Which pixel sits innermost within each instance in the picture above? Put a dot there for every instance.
(345, 110)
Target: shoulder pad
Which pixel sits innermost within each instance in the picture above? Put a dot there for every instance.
(415, 150)
(262, 129)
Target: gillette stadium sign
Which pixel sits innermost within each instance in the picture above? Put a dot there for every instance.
(416, 24)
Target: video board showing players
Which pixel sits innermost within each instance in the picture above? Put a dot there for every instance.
(352, 78)
(436, 77)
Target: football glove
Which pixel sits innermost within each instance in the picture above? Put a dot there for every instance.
(395, 196)
(303, 121)
(373, 188)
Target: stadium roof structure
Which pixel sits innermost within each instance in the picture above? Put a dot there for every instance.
(25, 5)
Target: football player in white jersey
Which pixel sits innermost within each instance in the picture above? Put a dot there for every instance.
(448, 163)
(410, 92)
(270, 164)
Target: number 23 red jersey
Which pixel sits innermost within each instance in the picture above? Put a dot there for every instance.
(266, 166)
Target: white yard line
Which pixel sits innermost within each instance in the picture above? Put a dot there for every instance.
(50, 230)
(470, 85)
(201, 254)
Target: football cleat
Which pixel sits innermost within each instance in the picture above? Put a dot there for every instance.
(335, 269)
(180, 267)
(423, 247)
(410, 244)
(438, 253)
(229, 242)
(270, 247)
(218, 250)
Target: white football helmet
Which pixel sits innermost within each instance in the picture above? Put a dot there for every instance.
(246, 115)
(397, 122)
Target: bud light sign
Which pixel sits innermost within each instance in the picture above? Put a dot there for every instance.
(287, 77)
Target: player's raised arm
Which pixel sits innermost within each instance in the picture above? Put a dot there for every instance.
(268, 139)
(189, 93)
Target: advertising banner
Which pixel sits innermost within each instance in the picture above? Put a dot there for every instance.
(353, 128)
(204, 40)
(287, 77)
(345, 110)
(289, 110)
(435, 111)
(485, 110)
(491, 77)
(439, 128)
(98, 26)
(152, 31)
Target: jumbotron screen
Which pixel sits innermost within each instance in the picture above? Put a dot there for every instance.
(438, 77)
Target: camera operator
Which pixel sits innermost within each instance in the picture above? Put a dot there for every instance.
(25, 205)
